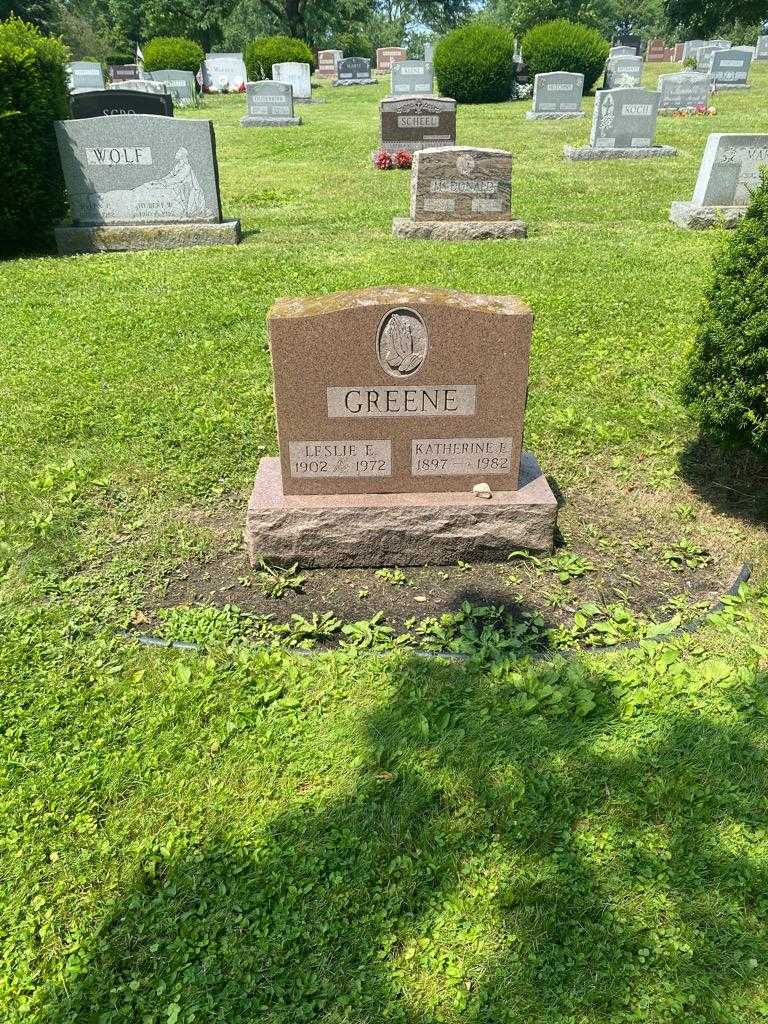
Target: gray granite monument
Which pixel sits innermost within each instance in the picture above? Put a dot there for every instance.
(109, 102)
(429, 52)
(156, 88)
(623, 127)
(729, 69)
(705, 53)
(623, 72)
(270, 105)
(354, 71)
(412, 78)
(684, 90)
(84, 74)
(298, 76)
(622, 51)
(556, 95)
(761, 50)
(140, 181)
(224, 72)
(460, 193)
(730, 170)
(180, 84)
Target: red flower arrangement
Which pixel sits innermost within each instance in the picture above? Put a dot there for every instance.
(402, 160)
(383, 160)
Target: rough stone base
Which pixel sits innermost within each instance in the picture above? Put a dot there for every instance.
(458, 231)
(132, 237)
(367, 530)
(640, 153)
(269, 122)
(700, 218)
(552, 115)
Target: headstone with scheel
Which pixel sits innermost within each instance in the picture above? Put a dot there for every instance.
(556, 95)
(412, 78)
(296, 74)
(729, 69)
(109, 102)
(683, 91)
(623, 127)
(412, 123)
(181, 85)
(139, 181)
(461, 193)
(84, 74)
(386, 56)
(400, 423)
(729, 174)
(269, 105)
(224, 72)
(623, 72)
(354, 71)
(327, 61)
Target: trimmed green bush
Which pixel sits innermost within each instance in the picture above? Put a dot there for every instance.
(354, 43)
(474, 64)
(563, 45)
(262, 53)
(175, 52)
(726, 381)
(33, 94)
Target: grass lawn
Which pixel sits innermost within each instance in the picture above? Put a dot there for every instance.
(246, 835)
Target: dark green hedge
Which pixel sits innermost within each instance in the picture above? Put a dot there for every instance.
(563, 45)
(726, 383)
(33, 94)
(262, 53)
(175, 53)
(474, 64)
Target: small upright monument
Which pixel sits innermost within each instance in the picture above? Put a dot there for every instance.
(354, 71)
(224, 72)
(730, 170)
(729, 69)
(297, 75)
(412, 78)
(269, 105)
(623, 127)
(327, 61)
(84, 74)
(623, 72)
(556, 95)
(682, 91)
(460, 194)
(400, 422)
(386, 56)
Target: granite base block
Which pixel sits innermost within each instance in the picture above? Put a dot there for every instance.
(269, 122)
(458, 231)
(727, 85)
(700, 218)
(549, 115)
(639, 153)
(71, 240)
(361, 81)
(371, 530)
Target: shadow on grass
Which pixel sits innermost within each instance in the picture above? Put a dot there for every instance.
(509, 849)
(735, 482)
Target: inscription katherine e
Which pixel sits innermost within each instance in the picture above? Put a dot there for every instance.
(461, 456)
(432, 400)
(313, 460)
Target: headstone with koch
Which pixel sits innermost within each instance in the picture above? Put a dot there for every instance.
(392, 406)
(224, 72)
(729, 69)
(460, 193)
(729, 173)
(109, 102)
(327, 61)
(269, 105)
(623, 72)
(298, 76)
(180, 84)
(412, 78)
(685, 90)
(386, 56)
(354, 71)
(123, 72)
(623, 127)
(761, 50)
(412, 123)
(139, 181)
(556, 94)
(84, 74)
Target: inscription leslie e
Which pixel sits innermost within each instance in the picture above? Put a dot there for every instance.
(318, 459)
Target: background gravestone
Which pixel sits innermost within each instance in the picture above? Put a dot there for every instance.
(692, 47)
(109, 102)
(623, 127)
(684, 90)
(729, 172)
(557, 94)
(623, 72)
(142, 85)
(429, 52)
(123, 72)
(354, 71)
(391, 404)
(657, 51)
(460, 193)
(622, 51)
(414, 122)
(729, 69)
(181, 85)
(761, 50)
(224, 72)
(140, 181)
(386, 56)
(678, 52)
(85, 74)
(412, 78)
(705, 54)
(298, 76)
(269, 104)
(327, 61)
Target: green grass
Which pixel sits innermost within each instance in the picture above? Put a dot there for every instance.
(243, 836)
